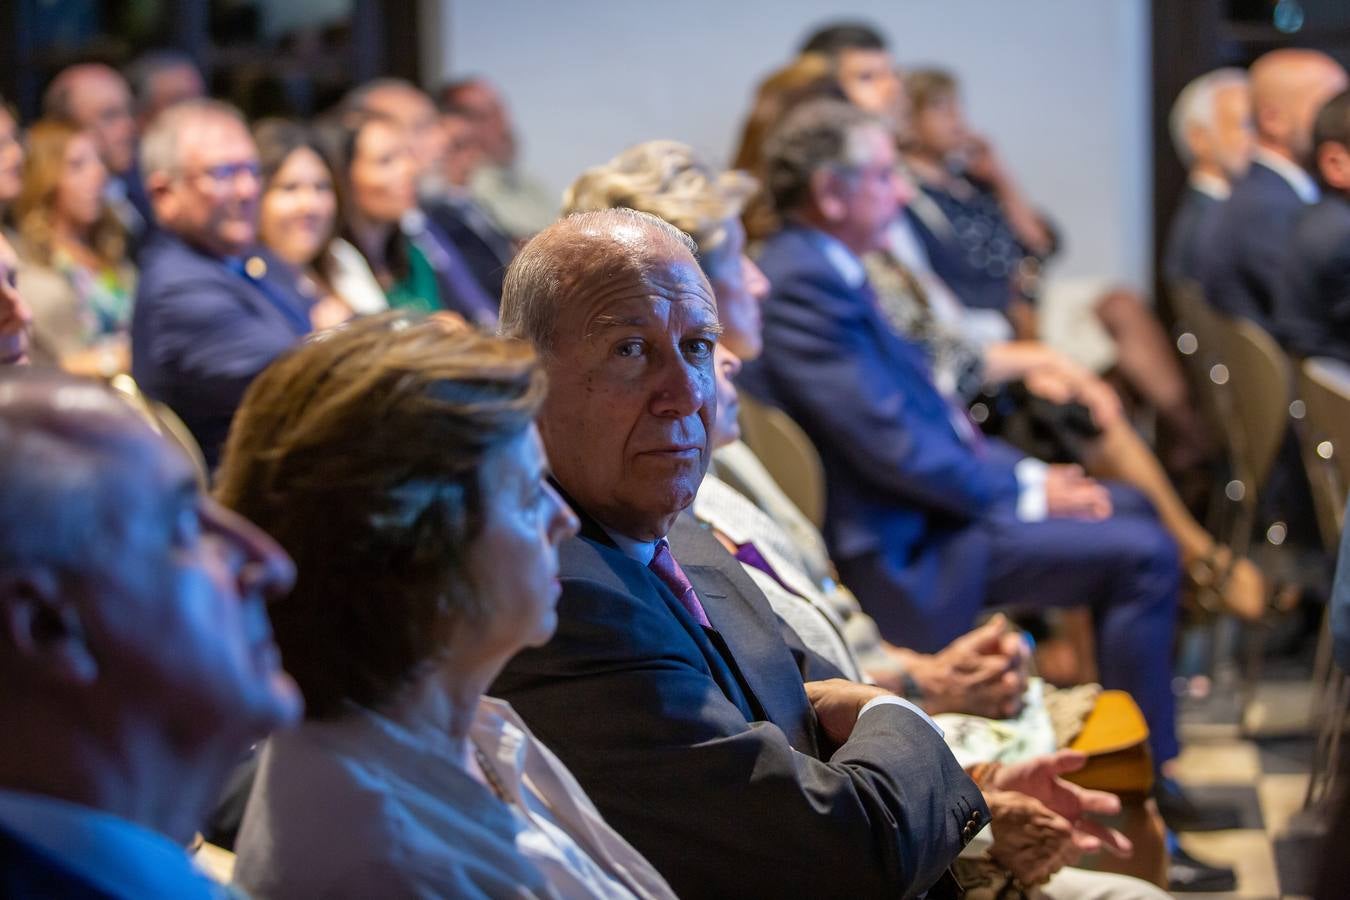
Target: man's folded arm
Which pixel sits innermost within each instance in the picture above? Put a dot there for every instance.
(719, 805)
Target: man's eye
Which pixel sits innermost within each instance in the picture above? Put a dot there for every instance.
(628, 349)
(701, 348)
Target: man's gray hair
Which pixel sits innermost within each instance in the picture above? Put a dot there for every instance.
(55, 508)
(573, 254)
(162, 143)
(1195, 106)
(817, 135)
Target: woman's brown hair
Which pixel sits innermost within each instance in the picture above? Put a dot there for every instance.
(361, 452)
(808, 77)
(44, 167)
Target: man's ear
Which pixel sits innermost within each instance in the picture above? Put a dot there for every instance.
(1270, 122)
(1197, 137)
(825, 195)
(41, 628)
(159, 188)
(1333, 162)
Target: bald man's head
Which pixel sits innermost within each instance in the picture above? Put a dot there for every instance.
(575, 257)
(626, 324)
(59, 436)
(1288, 87)
(96, 98)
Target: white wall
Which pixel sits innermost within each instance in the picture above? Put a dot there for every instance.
(1060, 85)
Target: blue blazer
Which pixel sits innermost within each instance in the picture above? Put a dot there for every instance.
(1190, 237)
(26, 873)
(200, 332)
(1312, 305)
(700, 747)
(901, 481)
(1246, 260)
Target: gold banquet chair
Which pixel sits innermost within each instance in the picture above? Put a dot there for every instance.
(165, 422)
(1324, 387)
(788, 454)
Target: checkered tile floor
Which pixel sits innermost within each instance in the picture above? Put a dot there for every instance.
(1259, 762)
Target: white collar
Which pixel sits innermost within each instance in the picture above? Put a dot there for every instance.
(642, 551)
(1290, 171)
(121, 857)
(844, 261)
(1210, 185)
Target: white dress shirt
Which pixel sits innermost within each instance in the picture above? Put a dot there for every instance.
(120, 857)
(1211, 186)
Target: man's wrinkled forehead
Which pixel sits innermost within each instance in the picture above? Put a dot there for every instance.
(92, 418)
(640, 282)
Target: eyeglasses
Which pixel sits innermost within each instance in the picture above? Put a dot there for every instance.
(222, 175)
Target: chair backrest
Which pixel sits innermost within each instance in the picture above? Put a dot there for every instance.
(1261, 387)
(1198, 341)
(1324, 387)
(788, 454)
(165, 422)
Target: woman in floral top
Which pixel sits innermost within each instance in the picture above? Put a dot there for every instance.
(74, 272)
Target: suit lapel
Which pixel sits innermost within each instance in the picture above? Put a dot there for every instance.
(748, 627)
(719, 657)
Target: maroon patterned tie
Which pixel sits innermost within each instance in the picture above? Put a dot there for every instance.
(664, 566)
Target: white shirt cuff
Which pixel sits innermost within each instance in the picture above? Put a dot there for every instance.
(892, 700)
(1032, 505)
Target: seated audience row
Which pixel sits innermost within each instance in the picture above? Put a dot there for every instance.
(490, 534)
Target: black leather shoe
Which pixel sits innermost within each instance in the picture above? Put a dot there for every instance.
(1182, 813)
(1186, 874)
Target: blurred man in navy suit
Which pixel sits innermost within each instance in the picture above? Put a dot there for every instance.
(928, 520)
(212, 309)
(1241, 275)
(1312, 308)
(1212, 133)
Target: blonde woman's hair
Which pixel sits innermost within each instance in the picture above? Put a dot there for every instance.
(670, 181)
(44, 167)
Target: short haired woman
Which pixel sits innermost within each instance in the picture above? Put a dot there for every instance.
(398, 463)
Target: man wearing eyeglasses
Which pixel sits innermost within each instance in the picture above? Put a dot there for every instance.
(212, 307)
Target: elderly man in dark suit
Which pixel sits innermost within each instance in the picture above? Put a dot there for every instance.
(212, 308)
(669, 689)
(1251, 236)
(135, 650)
(1212, 133)
(1312, 307)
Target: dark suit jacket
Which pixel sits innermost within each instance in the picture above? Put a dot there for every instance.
(200, 333)
(900, 480)
(1243, 269)
(701, 748)
(1190, 237)
(26, 873)
(485, 249)
(1312, 305)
